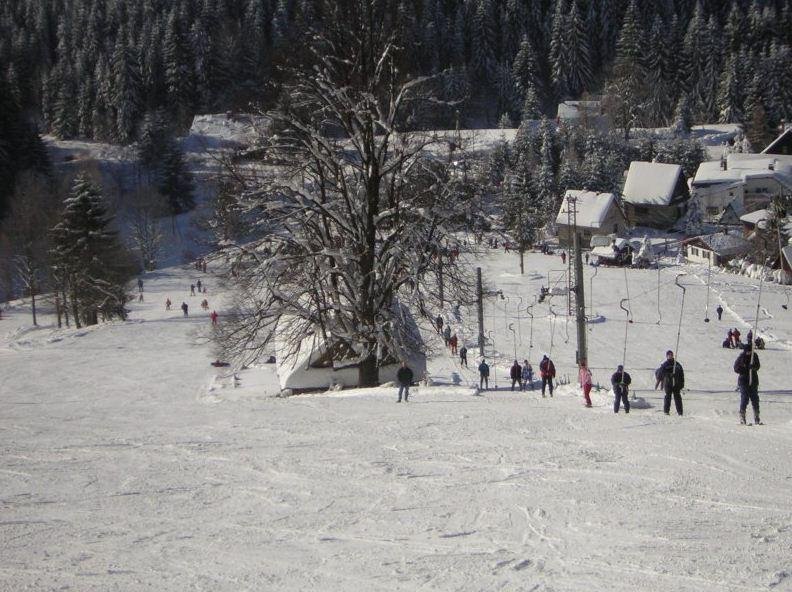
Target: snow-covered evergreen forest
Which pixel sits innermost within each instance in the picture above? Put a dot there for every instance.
(94, 68)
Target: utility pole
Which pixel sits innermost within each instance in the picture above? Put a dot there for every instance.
(480, 304)
(580, 303)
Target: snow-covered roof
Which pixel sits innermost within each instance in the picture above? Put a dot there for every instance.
(723, 243)
(608, 252)
(575, 109)
(741, 167)
(754, 217)
(651, 183)
(592, 208)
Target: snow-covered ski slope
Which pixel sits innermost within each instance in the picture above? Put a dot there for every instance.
(129, 463)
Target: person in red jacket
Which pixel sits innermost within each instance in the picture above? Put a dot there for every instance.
(547, 372)
(214, 316)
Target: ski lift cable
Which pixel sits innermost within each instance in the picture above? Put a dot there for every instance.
(679, 328)
(626, 324)
(659, 312)
(756, 320)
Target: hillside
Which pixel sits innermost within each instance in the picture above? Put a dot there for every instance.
(128, 462)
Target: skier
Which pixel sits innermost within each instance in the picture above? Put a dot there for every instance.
(547, 373)
(447, 335)
(563, 257)
(587, 258)
(584, 375)
(140, 297)
(205, 304)
(527, 375)
(214, 316)
(672, 377)
(168, 303)
(621, 386)
(453, 343)
(515, 373)
(719, 310)
(463, 356)
(439, 323)
(736, 336)
(198, 285)
(192, 289)
(184, 308)
(483, 375)
(747, 367)
(749, 339)
(405, 378)
(140, 284)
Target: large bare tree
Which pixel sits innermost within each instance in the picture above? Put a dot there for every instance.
(359, 210)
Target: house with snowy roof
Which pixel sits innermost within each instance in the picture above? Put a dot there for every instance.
(749, 221)
(716, 249)
(594, 214)
(655, 194)
(747, 182)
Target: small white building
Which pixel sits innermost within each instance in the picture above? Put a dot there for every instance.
(319, 364)
(655, 194)
(595, 214)
(716, 249)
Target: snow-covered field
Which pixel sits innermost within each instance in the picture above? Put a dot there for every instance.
(129, 463)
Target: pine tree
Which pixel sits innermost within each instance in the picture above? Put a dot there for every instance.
(483, 60)
(179, 70)
(126, 91)
(525, 70)
(627, 90)
(558, 49)
(89, 258)
(176, 183)
(578, 64)
(683, 120)
(730, 97)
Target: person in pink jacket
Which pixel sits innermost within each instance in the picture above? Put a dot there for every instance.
(585, 382)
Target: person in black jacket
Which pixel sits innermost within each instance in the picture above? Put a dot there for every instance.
(671, 375)
(405, 378)
(515, 373)
(621, 387)
(747, 367)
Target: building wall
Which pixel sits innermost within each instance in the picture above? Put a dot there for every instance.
(697, 254)
(614, 222)
(662, 217)
(715, 198)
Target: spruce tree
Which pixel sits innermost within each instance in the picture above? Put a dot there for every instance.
(88, 256)
(578, 58)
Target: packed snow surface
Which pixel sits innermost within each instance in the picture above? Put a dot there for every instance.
(129, 463)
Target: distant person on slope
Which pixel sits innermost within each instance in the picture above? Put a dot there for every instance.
(621, 387)
(547, 373)
(463, 356)
(168, 304)
(672, 377)
(405, 378)
(527, 375)
(719, 310)
(747, 367)
(484, 371)
(447, 335)
(439, 323)
(584, 375)
(184, 308)
(515, 373)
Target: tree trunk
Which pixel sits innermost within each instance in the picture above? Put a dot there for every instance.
(368, 371)
(33, 306)
(522, 263)
(75, 311)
